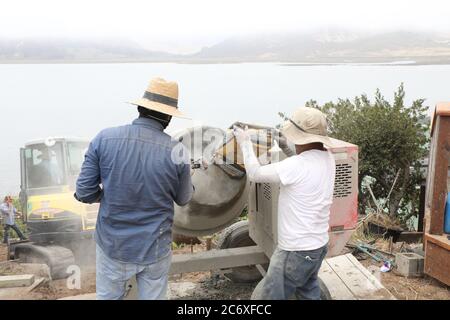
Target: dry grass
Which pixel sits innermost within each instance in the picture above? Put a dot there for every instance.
(385, 220)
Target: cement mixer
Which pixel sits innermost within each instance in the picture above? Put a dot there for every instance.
(219, 196)
(222, 191)
(221, 188)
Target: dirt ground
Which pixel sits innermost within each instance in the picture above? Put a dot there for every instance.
(47, 290)
(212, 285)
(57, 289)
(403, 288)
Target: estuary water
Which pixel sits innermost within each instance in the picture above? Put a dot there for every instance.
(41, 100)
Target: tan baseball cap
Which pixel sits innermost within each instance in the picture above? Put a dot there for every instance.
(307, 125)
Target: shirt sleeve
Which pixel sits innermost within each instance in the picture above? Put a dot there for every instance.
(256, 172)
(88, 183)
(4, 210)
(185, 187)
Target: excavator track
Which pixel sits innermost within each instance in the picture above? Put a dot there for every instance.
(57, 258)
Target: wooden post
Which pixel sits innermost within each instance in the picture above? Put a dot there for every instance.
(208, 243)
(441, 141)
(421, 208)
(4, 252)
(437, 245)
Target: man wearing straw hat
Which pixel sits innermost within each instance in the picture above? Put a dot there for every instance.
(306, 191)
(132, 172)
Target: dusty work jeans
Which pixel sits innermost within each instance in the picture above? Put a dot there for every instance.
(112, 277)
(15, 228)
(292, 273)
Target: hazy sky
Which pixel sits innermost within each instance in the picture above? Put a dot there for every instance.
(187, 25)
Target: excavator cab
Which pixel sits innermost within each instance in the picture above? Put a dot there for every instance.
(49, 171)
(60, 228)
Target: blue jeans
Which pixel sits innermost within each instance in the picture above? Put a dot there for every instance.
(293, 273)
(112, 277)
(15, 228)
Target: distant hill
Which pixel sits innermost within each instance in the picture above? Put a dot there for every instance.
(102, 50)
(318, 47)
(332, 48)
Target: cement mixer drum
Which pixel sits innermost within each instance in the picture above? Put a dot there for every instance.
(218, 199)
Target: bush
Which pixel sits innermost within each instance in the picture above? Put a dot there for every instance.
(392, 139)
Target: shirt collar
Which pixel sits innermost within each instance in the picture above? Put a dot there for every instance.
(146, 122)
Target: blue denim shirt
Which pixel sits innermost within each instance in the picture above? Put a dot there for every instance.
(8, 212)
(132, 172)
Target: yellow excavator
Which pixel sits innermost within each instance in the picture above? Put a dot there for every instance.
(60, 228)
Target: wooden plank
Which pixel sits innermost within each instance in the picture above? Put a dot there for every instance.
(36, 284)
(356, 281)
(4, 252)
(370, 277)
(23, 280)
(410, 236)
(382, 291)
(338, 289)
(441, 241)
(437, 262)
(443, 109)
(441, 139)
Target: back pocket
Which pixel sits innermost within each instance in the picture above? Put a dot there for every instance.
(159, 269)
(300, 266)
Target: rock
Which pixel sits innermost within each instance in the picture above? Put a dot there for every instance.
(22, 280)
(179, 239)
(179, 290)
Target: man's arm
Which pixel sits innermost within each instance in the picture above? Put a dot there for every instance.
(4, 210)
(88, 184)
(186, 189)
(255, 172)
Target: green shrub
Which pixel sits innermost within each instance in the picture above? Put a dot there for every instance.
(392, 139)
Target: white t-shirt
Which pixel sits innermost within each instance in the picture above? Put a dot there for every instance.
(306, 195)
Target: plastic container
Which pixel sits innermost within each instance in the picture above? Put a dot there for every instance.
(447, 215)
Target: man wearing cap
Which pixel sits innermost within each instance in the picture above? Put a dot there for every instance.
(135, 174)
(306, 192)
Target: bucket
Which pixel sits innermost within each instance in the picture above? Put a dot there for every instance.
(383, 231)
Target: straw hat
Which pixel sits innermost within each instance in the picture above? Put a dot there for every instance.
(307, 125)
(161, 96)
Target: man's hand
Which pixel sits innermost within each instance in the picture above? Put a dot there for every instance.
(97, 200)
(242, 135)
(283, 143)
(200, 163)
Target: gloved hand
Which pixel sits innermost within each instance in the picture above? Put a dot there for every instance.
(242, 135)
(200, 163)
(283, 143)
